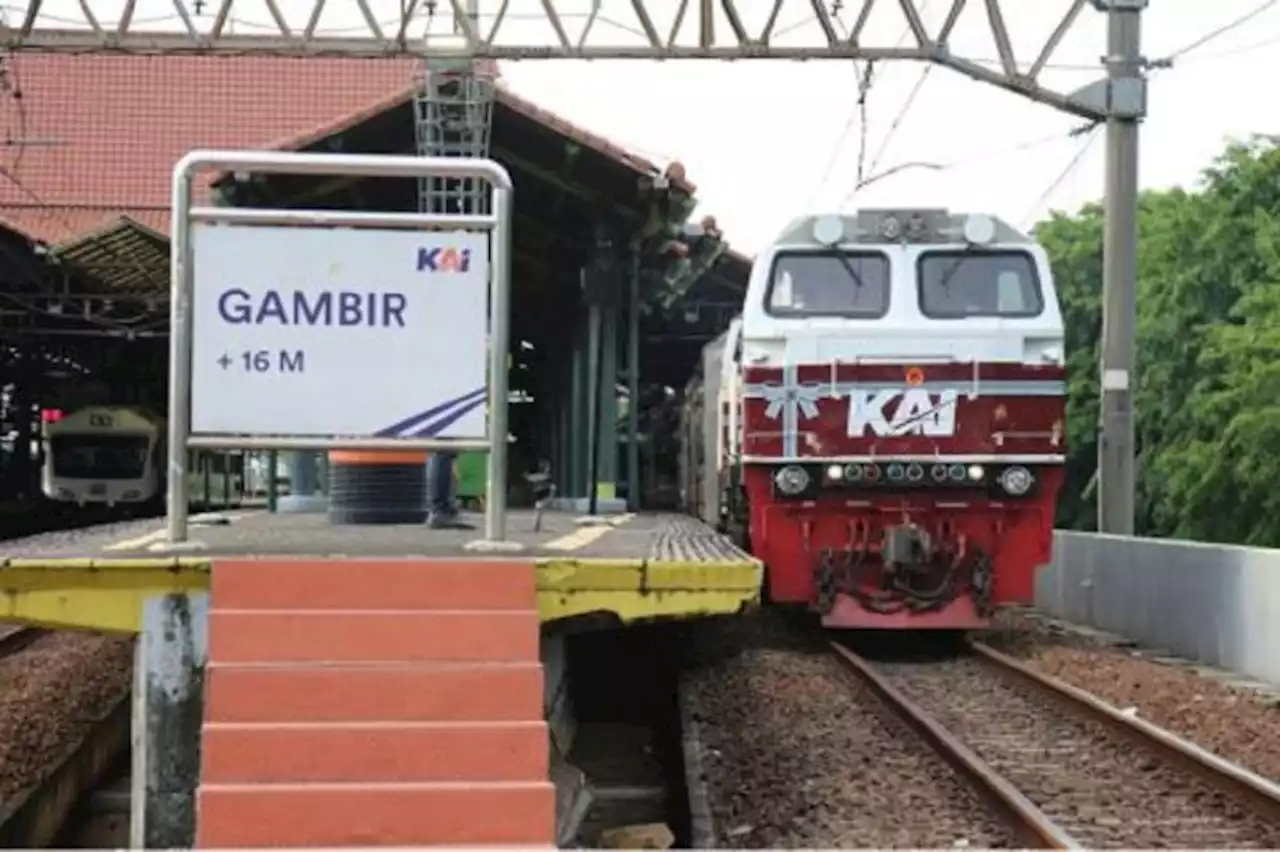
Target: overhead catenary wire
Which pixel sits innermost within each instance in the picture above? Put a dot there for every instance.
(11, 86)
(1218, 32)
(1092, 131)
(865, 80)
(1091, 134)
(897, 120)
(859, 114)
(1231, 53)
(907, 103)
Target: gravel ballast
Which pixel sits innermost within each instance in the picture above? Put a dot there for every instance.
(51, 694)
(1236, 723)
(797, 753)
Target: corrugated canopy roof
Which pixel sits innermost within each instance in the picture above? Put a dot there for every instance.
(126, 256)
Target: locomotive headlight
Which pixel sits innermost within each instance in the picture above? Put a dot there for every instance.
(835, 471)
(976, 472)
(1016, 480)
(792, 479)
(979, 229)
(853, 472)
(895, 472)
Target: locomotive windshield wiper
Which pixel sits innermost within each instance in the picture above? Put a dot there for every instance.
(945, 281)
(848, 267)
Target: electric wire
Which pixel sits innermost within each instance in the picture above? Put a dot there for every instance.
(859, 114)
(11, 85)
(1091, 134)
(1218, 32)
(897, 120)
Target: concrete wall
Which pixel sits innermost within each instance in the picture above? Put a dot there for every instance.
(1214, 603)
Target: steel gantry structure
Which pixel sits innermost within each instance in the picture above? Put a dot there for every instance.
(689, 29)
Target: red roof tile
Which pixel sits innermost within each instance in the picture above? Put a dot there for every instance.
(105, 131)
(506, 97)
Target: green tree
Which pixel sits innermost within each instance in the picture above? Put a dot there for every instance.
(1208, 394)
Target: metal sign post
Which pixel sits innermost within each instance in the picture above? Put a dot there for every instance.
(332, 330)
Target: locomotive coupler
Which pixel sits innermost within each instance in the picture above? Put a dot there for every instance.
(906, 547)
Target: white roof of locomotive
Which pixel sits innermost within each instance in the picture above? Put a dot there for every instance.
(902, 330)
(938, 227)
(108, 418)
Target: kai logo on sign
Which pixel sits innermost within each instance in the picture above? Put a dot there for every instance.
(898, 413)
(444, 259)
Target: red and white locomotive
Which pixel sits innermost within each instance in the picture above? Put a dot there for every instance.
(884, 424)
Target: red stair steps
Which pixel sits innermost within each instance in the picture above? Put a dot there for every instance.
(374, 703)
(350, 692)
(343, 636)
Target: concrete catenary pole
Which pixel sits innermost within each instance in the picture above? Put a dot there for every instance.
(1117, 474)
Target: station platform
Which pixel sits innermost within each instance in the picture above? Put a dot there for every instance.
(268, 656)
(622, 569)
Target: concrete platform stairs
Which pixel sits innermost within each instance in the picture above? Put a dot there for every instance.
(374, 703)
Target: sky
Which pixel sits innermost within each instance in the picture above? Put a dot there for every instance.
(768, 140)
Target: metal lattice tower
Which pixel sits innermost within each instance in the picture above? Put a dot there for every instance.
(453, 117)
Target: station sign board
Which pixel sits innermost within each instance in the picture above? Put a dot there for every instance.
(361, 332)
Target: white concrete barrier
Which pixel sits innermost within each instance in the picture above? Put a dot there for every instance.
(1219, 604)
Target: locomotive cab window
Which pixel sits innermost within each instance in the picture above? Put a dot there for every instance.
(959, 284)
(829, 284)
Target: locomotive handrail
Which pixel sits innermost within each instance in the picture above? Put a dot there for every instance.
(914, 359)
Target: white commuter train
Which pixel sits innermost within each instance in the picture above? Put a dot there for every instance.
(115, 456)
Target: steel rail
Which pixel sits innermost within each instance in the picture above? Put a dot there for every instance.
(1035, 829)
(1259, 794)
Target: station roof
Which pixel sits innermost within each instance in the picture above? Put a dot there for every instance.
(567, 180)
(89, 176)
(93, 136)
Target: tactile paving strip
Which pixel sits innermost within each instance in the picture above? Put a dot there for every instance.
(683, 539)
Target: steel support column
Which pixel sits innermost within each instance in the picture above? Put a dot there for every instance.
(578, 385)
(633, 386)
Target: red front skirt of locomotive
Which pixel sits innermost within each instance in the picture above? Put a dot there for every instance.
(910, 528)
(927, 559)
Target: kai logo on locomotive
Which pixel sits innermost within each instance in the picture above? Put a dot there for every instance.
(444, 259)
(899, 413)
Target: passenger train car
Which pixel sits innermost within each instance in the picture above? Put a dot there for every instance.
(884, 424)
(115, 456)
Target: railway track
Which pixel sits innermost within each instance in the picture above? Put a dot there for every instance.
(784, 750)
(1065, 769)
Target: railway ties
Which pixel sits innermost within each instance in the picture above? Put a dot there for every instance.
(792, 753)
(1077, 771)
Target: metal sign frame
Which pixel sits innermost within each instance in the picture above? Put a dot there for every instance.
(496, 223)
